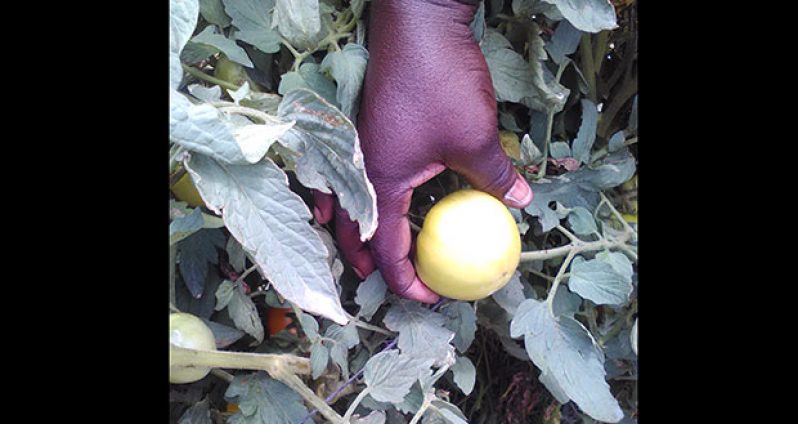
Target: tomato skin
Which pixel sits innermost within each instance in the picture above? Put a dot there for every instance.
(277, 319)
(185, 191)
(187, 330)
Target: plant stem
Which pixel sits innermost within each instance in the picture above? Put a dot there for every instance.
(557, 279)
(618, 216)
(373, 328)
(539, 255)
(246, 273)
(209, 78)
(246, 111)
(298, 386)
(224, 375)
(549, 125)
(270, 363)
(355, 403)
(604, 151)
(588, 67)
(424, 405)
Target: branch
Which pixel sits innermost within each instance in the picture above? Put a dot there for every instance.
(209, 78)
(180, 356)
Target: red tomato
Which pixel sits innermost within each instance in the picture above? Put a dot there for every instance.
(278, 320)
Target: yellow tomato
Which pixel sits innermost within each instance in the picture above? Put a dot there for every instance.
(186, 330)
(468, 247)
(185, 190)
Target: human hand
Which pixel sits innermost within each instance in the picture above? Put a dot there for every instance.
(427, 104)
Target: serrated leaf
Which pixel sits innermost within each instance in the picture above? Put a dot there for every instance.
(198, 413)
(271, 222)
(581, 221)
(580, 187)
(254, 22)
(309, 77)
(233, 51)
(329, 155)
(587, 15)
(319, 358)
(442, 412)
(563, 42)
(200, 128)
(461, 319)
(261, 399)
(299, 21)
(511, 295)
(194, 254)
(465, 374)
(241, 309)
(371, 294)
(182, 227)
(224, 335)
(348, 67)
(599, 282)
(390, 374)
(421, 331)
(213, 12)
(516, 80)
(183, 16)
(562, 348)
(587, 132)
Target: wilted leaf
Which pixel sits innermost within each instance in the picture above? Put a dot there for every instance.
(194, 254)
(329, 155)
(421, 331)
(348, 67)
(461, 319)
(562, 348)
(581, 221)
(254, 22)
(390, 374)
(261, 399)
(587, 132)
(371, 294)
(598, 281)
(271, 222)
(233, 51)
(183, 16)
(465, 374)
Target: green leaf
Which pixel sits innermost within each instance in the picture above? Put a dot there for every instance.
(562, 348)
(587, 132)
(319, 358)
(375, 417)
(199, 413)
(194, 53)
(442, 412)
(564, 41)
(233, 51)
(271, 222)
(308, 324)
(370, 295)
(511, 295)
(254, 22)
(264, 102)
(329, 155)
(348, 67)
(213, 12)
(254, 140)
(184, 226)
(309, 77)
(530, 154)
(565, 302)
(236, 255)
(464, 373)
(390, 374)
(421, 331)
(183, 16)
(478, 23)
(559, 150)
(262, 399)
(507, 122)
(599, 282)
(240, 308)
(223, 334)
(345, 338)
(579, 188)
(200, 128)
(204, 306)
(581, 221)
(206, 94)
(619, 262)
(616, 141)
(299, 21)
(587, 15)
(461, 319)
(194, 254)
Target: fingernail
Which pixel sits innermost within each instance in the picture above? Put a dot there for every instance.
(520, 195)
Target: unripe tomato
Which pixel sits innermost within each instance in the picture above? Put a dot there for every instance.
(232, 72)
(278, 320)
(468, 247)
(186, 330)
(185, 190)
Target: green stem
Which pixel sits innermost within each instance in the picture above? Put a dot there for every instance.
(604, 151)
(588, 67)
(424, 405)
(577, 247)
(557, 279)
(549, 125)
(599, 50)
(180, 356)
(209, 78)
(355, 403)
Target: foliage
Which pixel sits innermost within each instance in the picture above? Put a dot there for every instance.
(564, 73)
